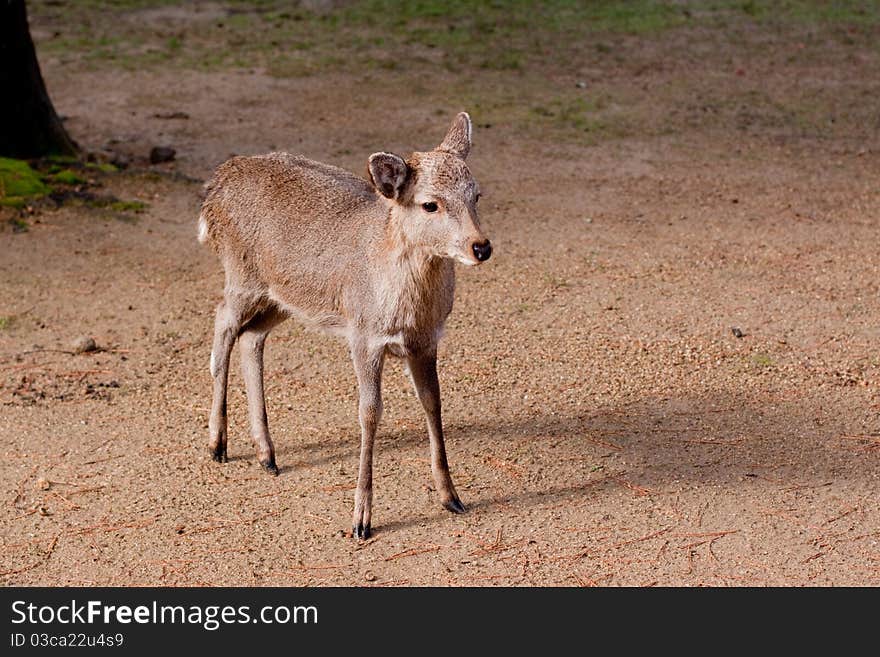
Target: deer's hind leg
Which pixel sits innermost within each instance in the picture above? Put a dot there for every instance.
(252, 341)
(232, 313)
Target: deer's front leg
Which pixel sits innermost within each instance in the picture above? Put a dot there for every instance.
(368, 364)
(423, 370)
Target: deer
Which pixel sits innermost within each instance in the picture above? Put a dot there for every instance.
(368, 259)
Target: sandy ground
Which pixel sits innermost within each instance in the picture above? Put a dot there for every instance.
(604, 424)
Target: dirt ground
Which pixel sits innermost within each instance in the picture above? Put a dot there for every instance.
(604, 424)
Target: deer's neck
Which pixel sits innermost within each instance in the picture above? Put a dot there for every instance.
(413, 285)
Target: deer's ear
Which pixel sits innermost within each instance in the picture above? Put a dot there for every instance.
(388, 173)
(458, 140)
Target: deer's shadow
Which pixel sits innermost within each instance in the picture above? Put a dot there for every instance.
(712, 438)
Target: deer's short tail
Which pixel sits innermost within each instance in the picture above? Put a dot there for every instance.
(203, 228)
(204, 215)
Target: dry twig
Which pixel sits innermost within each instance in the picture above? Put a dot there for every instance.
(39, 562)
(413, 551)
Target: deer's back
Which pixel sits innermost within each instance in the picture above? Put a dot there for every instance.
(300, 231)
(288, 198)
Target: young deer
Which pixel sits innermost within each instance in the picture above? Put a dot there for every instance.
(369, 261)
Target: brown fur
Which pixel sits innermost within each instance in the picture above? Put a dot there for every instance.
(362, 259)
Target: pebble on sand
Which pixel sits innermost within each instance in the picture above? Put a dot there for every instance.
(84, 344)
(160, 154)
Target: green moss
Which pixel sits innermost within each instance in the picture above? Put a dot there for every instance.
(19, 183)
(113, 204)
(5, 323)
(67, 177)
(61, 160)
(127, 206)
(103, 167)
(19, 225)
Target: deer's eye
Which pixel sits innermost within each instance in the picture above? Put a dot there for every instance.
(429, 206)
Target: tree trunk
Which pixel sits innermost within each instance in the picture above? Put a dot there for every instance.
(29, 126)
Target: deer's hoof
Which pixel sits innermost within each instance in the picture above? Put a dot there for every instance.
(270, 467)
(454, 505)
(361, 532)
(219, 455)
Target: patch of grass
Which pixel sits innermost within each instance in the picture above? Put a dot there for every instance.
(119, 4)
(762, 360)
(19, 183)
(5, 322)
(504, 61)
(466, 33)
(854, 12)
(495, 16)
(634, 17)
(575, 115)
(750, 7)
(513, 60)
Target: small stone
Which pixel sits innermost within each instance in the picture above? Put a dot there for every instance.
(120, 160)
(43, 483)
(370, 576)
(84, 344)
(171, 115)
(737, 332)
(160, 154)
(43, 511)
(581, 85)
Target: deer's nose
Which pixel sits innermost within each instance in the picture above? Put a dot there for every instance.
(482, 250)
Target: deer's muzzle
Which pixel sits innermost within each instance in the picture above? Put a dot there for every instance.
(482, 250)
